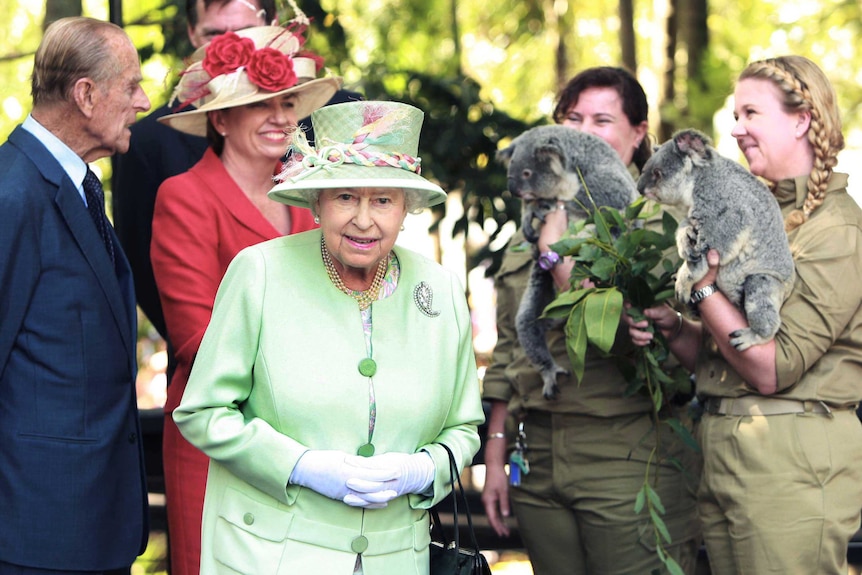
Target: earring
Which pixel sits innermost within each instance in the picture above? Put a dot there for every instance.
(317, 220)
(224, 134)
(402, 227)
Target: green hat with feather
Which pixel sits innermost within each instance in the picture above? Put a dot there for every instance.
(363, 144)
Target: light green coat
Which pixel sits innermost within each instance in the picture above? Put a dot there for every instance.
(277, 374)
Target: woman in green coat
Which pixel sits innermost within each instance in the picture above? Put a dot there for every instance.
(333, 368)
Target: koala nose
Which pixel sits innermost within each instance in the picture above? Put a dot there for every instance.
(513, 187)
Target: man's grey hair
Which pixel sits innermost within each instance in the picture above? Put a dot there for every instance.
(71, 49)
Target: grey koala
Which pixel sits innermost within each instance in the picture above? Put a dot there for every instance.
(545, 166)
(732, 211)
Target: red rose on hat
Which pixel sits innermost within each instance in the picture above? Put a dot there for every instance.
(226, 53)
(271, 70)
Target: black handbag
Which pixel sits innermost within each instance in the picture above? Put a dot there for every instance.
(448, 557)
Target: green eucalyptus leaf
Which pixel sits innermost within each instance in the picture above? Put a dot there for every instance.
(602, 317)
(657, 398)
(637, 314)
(658, 523)
(562, 304)
(673, 567)
(675, 463)
(569, 246)
(603, 228)
(576, 340)
(669, 224)
(639, 293)
(634, 209)
(603, 269)
(654, 498)
(664, 295)
(640, 499)
(653, 238)
(628, 244)
(683, 432)
(613, 217)
(634, 386)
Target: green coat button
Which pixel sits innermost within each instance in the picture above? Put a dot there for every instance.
(248, 518)
(368, 367)
(360, 544)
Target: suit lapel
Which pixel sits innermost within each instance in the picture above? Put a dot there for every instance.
(73, 211)
(81, 226)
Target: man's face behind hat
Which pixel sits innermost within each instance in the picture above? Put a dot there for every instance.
(223, 17)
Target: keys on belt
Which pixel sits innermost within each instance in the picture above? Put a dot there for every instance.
(518, 464)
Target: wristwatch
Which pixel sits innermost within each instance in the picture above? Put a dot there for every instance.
(548, 260)
(699, 295)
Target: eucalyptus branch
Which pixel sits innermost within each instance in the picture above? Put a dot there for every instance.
(627, 257)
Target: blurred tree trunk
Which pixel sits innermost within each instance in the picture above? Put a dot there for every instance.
(627, 35)
(456, 36)
(565, 27)
(56, 9)
(669, 94)
(696, 37)
(698, 82)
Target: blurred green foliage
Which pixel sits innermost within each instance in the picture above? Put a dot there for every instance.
(484, 73)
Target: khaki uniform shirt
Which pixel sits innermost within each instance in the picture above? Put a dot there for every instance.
(819, 344)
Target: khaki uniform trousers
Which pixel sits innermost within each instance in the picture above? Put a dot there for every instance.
(575, 508)
(780, 493)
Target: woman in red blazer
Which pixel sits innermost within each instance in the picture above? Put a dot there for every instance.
(247, 99)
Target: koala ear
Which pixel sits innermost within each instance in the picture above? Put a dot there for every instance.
(503, 156)
(693, 144)
(551, 150)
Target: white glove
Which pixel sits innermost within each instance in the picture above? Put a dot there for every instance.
(328, 472)
(413, 473)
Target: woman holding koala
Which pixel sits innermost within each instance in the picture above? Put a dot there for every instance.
(584, 454)
(781, 490)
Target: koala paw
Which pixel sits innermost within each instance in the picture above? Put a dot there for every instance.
(683, 286)
(550, 389)
(744, 338)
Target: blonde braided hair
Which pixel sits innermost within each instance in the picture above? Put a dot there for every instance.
(806, 88)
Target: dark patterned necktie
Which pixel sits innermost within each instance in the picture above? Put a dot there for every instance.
(96, 207)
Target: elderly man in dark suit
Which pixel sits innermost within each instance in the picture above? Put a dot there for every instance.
(73, 498)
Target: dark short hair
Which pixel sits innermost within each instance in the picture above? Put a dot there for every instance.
(268, 6)
(632, 94)
(71, 49)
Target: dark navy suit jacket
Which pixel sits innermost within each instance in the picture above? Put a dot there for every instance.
(72, 483)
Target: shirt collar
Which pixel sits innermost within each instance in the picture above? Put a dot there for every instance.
(795, 190)
(71, 162)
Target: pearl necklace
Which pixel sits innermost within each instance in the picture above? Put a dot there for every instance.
(363, 298)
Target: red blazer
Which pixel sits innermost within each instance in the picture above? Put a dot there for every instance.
(201, 221)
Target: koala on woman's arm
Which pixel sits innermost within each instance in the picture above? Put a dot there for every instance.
(756, 364)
